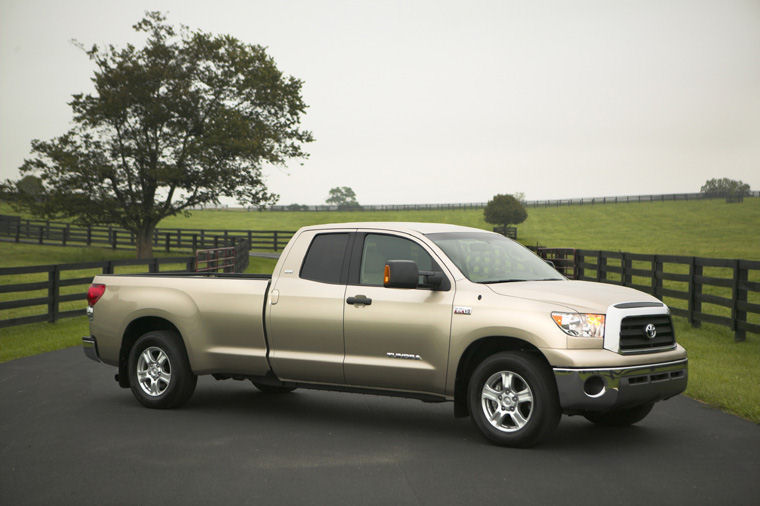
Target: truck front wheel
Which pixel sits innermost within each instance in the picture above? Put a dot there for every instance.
(513, 399)
(159, 371)
(620, 417)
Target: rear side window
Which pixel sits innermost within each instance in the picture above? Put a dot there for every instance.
(324, 260)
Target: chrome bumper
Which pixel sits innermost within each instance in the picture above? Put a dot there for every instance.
(90, 347)
(604, 388)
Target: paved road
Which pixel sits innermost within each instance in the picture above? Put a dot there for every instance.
(69, 435)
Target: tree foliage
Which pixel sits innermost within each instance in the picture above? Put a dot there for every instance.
(343, 197)
(181, 122)
(504, 210)
(730, 189)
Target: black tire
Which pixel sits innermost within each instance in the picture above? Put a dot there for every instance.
(524, 423)
(620, 417)
(156, 371)
(272, 389)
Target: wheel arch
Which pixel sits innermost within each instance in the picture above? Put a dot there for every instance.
(132, 333)
(478, 351)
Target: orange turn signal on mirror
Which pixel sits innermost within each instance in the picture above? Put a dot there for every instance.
(387, 274)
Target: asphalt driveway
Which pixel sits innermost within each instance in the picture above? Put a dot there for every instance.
(69, 435)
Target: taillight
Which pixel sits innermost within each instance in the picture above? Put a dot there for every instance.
(95, 293)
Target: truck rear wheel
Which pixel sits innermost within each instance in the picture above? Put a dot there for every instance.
(512, 399)
(620, 417)
(159, 371)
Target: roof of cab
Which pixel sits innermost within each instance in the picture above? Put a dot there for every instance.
(399, 226)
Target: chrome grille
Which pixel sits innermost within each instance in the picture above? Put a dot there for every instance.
(633, 337)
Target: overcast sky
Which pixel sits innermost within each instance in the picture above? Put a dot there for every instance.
(416, 102)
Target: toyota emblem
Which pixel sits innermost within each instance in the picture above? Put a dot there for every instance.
(650, 331)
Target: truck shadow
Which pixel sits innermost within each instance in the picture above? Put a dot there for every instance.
(319, 412)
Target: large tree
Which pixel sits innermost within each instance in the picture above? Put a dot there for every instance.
(731, 189)
(504, 210)
(344, 197)
(186, 119)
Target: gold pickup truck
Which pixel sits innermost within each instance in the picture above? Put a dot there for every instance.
(429, 311)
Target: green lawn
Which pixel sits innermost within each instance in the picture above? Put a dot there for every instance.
(711, 228)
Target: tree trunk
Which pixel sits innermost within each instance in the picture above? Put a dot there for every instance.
(144, 239)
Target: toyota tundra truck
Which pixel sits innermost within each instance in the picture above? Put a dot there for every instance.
(429, 311)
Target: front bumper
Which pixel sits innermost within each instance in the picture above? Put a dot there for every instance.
(605, 388)
(90, 347)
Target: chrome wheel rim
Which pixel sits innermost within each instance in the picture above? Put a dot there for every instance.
(154, 371)
(507, 401)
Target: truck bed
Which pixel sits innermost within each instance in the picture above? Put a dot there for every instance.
(220, 316)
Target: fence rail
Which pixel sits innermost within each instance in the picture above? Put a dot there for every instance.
(715, 290)
(14, 229)
(528, 203)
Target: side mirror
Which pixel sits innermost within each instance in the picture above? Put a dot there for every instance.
(401, 274)
(550, 263)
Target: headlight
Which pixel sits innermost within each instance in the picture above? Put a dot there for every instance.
(580, 324)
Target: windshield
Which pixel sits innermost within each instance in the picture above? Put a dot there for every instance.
(484, 257)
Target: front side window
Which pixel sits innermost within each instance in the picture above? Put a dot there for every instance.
(324, 260)
(378, 249)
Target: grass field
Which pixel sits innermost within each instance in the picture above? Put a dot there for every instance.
(710, 228)
(722, 373)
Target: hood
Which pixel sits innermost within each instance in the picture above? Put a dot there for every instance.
(580, 296)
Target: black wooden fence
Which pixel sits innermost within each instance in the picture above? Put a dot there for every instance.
(14, 229)
(47, 292)
(715, 290)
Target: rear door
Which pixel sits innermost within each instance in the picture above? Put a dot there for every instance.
(305, 327)
(401, 339)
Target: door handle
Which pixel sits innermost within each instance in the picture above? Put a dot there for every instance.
(359, 300)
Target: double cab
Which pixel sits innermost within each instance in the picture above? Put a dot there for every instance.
(430, 311)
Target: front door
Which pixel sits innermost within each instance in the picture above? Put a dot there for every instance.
(401, 339)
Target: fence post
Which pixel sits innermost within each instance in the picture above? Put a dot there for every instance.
(656, 276)
(695, 292)
(114, 238)
(18, 231)
(191, 265)
(601, 264)
(738, 314)
(153, 265)
(53, 289)
(42, 232)
(89, 235)
(195, 242)
(250, 239)
(108, 267)
(65, 238)
(179, 238)
(168, 241)
(627, 266)
(578, 259)
(274, 241)
(203, 239)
